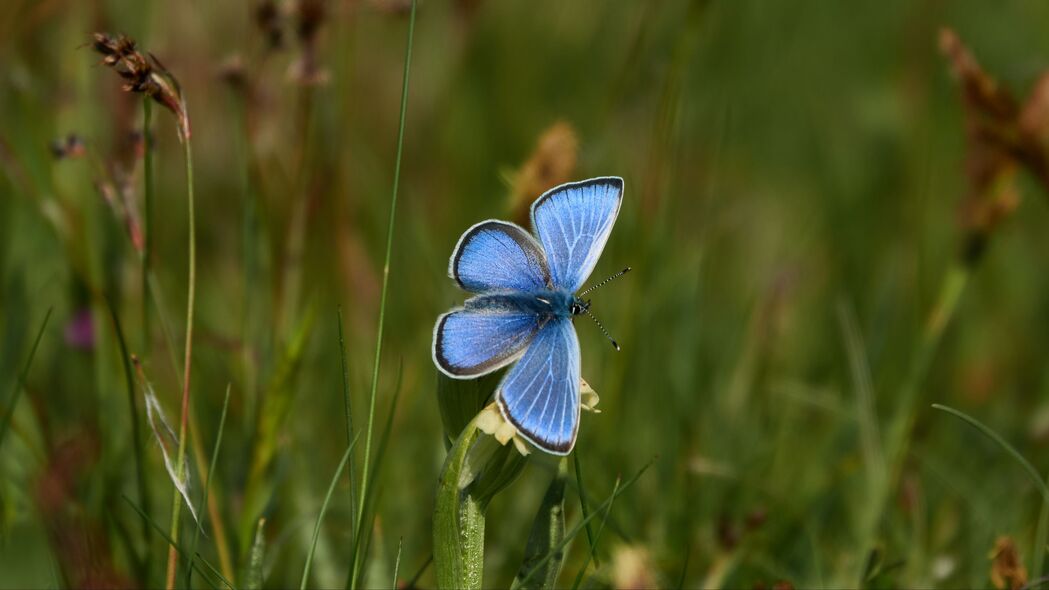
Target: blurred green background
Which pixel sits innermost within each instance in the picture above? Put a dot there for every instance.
(793, 176)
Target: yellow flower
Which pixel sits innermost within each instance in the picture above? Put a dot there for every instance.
(491, 421)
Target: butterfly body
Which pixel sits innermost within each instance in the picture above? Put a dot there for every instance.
(545, 304)
(525, 298)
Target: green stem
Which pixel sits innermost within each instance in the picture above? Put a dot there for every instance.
(180, 462)
(382, 298)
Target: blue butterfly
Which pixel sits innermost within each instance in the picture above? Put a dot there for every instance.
(524, 306)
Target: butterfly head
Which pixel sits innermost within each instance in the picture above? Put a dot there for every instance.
(578, 306)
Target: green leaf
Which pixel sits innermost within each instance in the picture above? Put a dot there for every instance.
(460, 399)
(548, 530)
(458, 521)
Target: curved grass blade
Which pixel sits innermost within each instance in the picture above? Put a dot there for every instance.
(349, 419)
(397, 562)
(363, 538)
(20, 382)
(582, 502)
(324, 509)
(579, 527)
(207, 484)
(597, 537)
(197, 558)
(548, 530)
(320, 517)
(1038, 555)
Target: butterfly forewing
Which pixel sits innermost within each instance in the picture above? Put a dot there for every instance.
(573, 222)
(469, 343)
(540, 394)
(496, 255)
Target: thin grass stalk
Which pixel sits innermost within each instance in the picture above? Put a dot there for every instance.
(147, 222)
(1038, 551)
(217, 527)
(349, 419)
(180, 463)
(582, 499)
(136, 435)
(607, 504)
(592, 554)
(363, 539)
(207, 486)
(385, 288)
(898, 440)
(193, 559)
(324, 509)
(221, 538)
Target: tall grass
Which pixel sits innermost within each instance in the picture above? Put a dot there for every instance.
(794, 176)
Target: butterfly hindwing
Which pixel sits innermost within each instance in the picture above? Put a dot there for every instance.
(573, 222)
(496, 255)
(540, 394)
(480, 338)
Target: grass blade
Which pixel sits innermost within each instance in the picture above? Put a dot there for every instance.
(579, 527)
(207, 483)
(211, 569)
(593, 547)
(191, 287)
(363, 538)
(16, 391)
(1037, 553)
(324, 509)
(397, 562)
(1004, 444)
(582, 500)
(385, 287)
(136, 435)
(349, 418)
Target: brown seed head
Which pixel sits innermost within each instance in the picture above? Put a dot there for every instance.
(270, 21)
(553, 162)
(142, 74)
(1007, 569)
(1002, 136)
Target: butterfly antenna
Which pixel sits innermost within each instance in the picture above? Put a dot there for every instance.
(601, 327)
(605, 282)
